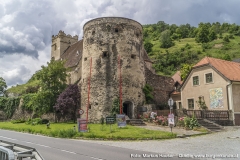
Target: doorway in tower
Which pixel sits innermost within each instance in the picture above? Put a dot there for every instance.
(127, 108)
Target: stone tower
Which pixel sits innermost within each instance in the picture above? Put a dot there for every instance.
(60, 43)
(105, 39)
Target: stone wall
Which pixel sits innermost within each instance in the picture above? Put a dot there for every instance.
(162, 86)
(105, 39)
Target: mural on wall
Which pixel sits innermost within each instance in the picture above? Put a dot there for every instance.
(216, 98)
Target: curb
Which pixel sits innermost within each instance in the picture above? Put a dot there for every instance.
(191, 135)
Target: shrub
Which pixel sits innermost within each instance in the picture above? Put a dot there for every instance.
(34, 121)
(18, 121)
(180, 122)
(191, 122)
(45, 121)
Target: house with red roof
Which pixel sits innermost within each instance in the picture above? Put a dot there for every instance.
(215, 81)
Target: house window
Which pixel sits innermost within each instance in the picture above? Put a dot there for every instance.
(195, 80)
(190, 103)
(208, 77)
(180, 105)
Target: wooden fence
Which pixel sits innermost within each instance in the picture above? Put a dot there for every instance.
(164, 112)
(209, 114)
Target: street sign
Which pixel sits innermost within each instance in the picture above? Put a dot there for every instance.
(80, 111)
(170, 102)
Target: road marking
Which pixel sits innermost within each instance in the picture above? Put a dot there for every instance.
(8, 138)
(68, 151)
(37, 144)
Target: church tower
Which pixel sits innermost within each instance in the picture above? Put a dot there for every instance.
(60, 43)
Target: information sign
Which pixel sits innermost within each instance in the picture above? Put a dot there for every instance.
(110, 120)
(82, 125)
(121, 120)
(171, 119)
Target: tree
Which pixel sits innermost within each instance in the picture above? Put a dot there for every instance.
(212, 35)
(185, 69)
(148, 47)
(147, 90)
(3, 86)
(115, 107)
(52, 81)
(202, 35)
(165, 39)
(226, 57)
(42, 102)
(69, 101)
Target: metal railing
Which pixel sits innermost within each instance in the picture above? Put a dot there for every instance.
(12, 151)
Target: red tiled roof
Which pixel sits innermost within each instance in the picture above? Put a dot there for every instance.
(177, 77)
(175, 93)
(231, 70)
(73, 54)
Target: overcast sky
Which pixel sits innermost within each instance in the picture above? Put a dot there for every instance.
(26, 26)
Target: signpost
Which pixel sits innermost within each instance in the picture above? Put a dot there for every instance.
(110, 120)
(171, 115)
(121, 120)
(170, 103)
(171, 120)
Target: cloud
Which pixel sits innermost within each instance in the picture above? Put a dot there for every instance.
(26, 26)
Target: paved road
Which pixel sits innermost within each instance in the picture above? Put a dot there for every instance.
(65, 149)
(216, 144)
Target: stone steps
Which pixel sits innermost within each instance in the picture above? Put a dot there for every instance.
(135, 122)
(210, 125)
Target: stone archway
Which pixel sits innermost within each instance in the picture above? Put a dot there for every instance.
(128, 109)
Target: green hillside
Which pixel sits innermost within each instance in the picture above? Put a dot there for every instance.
(189, 44)
(31, 86)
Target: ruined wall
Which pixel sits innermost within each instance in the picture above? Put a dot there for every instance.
(162, 86)
(104, 40)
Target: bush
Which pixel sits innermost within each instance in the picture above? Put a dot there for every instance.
(191, 122)
(180, 122)
(34, 121)
(18, 121)
(45, 121)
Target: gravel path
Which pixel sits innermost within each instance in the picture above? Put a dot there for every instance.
(226, 142)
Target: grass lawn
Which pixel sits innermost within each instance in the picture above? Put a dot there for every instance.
(95, 131)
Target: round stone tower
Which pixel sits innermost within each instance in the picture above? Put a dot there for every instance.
(105, 40)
